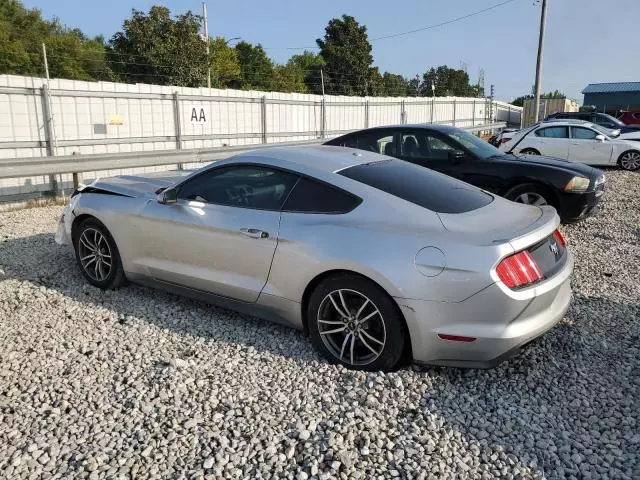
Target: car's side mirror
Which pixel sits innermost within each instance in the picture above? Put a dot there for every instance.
(602, 138)
(456, 155)
(168, 196)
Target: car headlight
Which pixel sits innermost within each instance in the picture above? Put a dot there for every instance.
(577, 185)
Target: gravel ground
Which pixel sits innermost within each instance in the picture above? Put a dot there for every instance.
(140, 384)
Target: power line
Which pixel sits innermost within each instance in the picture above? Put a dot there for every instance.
(441, 24)
(409, 32)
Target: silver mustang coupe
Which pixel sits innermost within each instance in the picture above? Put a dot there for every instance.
(378, 260)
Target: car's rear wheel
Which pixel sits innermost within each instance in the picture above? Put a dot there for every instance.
(529, 151)
(97, 255)
(629, 160)
(354, 322)
(530, 194)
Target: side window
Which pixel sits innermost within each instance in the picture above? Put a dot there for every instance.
(240, 186)
(425, 145)
(350, 141)
(309, 196)
(378, 142)
(583, 133)
(552, 132)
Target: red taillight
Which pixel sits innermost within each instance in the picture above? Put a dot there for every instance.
(559, 238)
(518, 270)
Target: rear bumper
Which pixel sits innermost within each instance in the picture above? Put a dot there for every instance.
(577, 206)
(500, 321)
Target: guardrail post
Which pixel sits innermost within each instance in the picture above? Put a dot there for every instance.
(454, 112)
(323, 118)
(366, 114)
(433, 103)
(177, 123)
(473, 117)
(263, 116)
(49, 132)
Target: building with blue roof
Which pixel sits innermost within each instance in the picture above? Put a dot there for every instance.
(611, 97)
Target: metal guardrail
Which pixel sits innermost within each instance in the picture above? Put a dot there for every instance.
(30, 166)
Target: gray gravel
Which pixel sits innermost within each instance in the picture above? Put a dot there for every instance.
(138, 383)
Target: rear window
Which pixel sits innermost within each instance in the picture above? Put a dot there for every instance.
(309, 196)
(419, 185)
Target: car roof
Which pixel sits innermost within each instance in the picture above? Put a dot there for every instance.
(325, 158)
(430, 126)
(566, 121)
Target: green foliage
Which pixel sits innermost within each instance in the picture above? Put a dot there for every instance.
(156, 48)
(519, 101)
(70, 53)
(160, 48)
(394, 85)
(256, 69)
(224, 64)
(448, 82)
(347, 53)
(310, 65)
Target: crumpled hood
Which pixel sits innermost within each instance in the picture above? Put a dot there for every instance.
(144, 185)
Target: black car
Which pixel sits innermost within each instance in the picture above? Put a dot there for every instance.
(601, 119)
(574, 189)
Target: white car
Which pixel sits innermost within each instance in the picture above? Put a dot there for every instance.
(575, 140)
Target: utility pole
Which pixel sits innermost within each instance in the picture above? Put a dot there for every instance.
(322, 81)
(543, 21)
(206, 39)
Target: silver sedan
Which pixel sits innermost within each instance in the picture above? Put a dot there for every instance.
(378, 260)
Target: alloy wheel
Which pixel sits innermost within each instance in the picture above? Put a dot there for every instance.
(531, 198)
(351, 327)
(94, 254)
(630, 161)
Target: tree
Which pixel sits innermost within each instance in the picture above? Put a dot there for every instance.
(224, 64)
(394, 85)
(347, 53)
(310, 64)
(519, 101)
(289, 78)
(256, 69)
(414, 87)
(448, 82)
(157, 48)
(71, 54)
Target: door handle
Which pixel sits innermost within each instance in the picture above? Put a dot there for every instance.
(254, 233)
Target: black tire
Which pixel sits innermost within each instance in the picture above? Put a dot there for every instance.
(531, 190)
(96, 272)
(629, 166)
(529, 151)
(387, 324)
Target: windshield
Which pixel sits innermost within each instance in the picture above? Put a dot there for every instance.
(474, 144)
(607, 131)
(613, 119)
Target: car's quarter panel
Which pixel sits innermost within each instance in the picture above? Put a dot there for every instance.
(205, 246)
(381, 241)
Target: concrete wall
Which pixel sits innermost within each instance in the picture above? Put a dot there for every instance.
(74, 117)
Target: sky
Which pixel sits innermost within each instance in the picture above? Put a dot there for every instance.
(587, 41)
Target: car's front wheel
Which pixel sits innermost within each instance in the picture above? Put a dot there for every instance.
(529, 151)
(97, 255)
(630, 160)
(354, 322)
(529, 194)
